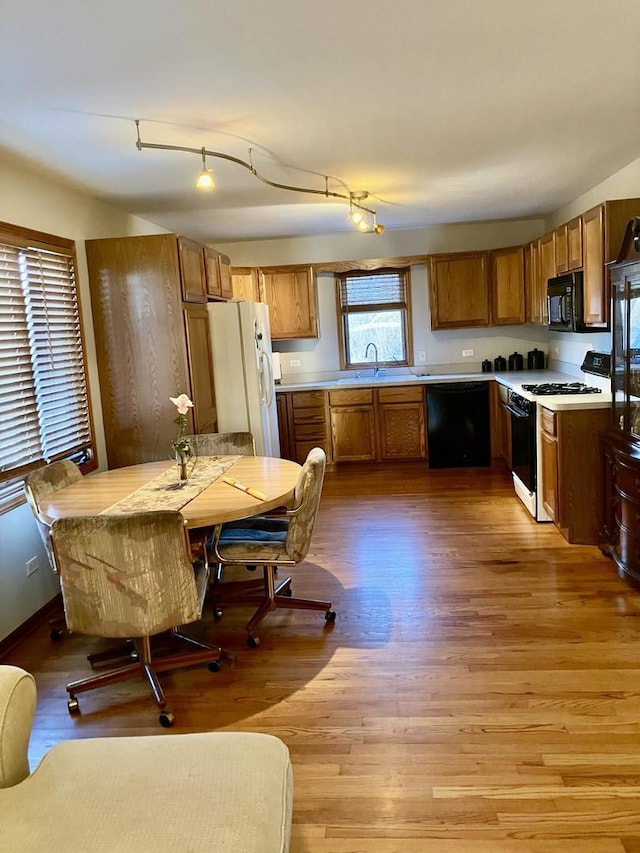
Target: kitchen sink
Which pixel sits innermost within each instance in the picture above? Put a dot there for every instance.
(371, 380)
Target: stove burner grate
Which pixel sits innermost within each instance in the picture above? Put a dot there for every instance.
(550, 388)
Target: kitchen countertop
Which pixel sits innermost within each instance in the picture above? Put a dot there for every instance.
(512, 380)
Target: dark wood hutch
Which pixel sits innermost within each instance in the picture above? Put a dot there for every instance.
(622, 447)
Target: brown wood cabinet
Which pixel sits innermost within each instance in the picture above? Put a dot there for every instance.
(572, 471)
(192, 270)
(151, 343)
(226, 285)
(244, 282)
(574, 244)
(568, 246)
(459, 290)
(532, 279)
(602, 231)
(507, 286)
(303, 424)
(500, 424)
(353, 425)
(401, 422)
(218, 274)
(290, 293)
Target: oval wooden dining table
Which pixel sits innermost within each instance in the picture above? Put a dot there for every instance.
(217, 503)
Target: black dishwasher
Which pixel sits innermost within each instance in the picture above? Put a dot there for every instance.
(458, 431)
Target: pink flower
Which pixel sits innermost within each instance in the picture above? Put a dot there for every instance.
(183, 403)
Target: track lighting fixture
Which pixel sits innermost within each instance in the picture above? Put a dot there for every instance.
(205, 178)
(363, 217)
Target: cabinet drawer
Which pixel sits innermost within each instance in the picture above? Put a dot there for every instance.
(403, 394)
(351, 397)
(629, 515)
(627, 551)
(309, 416)
(306, 399)
(309, 432)
(628, 481)
(548, 421)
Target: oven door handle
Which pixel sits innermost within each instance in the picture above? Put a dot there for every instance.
(517, 413)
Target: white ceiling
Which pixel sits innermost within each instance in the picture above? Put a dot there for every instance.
(443, 110)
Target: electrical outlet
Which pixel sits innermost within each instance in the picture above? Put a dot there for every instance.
(32, 566)
(467, 352)
(422, 356)
(294, 362)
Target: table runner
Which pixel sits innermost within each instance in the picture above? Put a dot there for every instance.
(165, 492)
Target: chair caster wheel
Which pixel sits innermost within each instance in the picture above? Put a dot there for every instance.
(56, 634)
(253, 642)
(166, 719)
(72, 706)
(330, 615)
(213, 666)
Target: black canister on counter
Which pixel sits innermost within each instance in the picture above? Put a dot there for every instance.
(535, 359)
(516, 362)
(499, 363)
(486, 366)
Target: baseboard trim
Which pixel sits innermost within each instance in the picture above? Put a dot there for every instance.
(35, 621)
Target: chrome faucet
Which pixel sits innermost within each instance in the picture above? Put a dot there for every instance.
(376, 370)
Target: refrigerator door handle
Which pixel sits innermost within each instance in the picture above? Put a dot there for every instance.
(266, 379)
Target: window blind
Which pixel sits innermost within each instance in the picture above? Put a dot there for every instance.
(43, 389)
(380, 289)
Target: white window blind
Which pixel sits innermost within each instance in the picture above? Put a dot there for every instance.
(43, 388)
(385, 289)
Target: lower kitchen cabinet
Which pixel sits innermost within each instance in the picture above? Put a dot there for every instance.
(401, 422)
(500, 423)
(572, 471)
(303, 424)
(353, 428)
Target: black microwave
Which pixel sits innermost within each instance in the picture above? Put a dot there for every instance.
(565, 303)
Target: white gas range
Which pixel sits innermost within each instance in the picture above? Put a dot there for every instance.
(523, 404)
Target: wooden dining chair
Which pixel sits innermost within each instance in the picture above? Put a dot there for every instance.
(38, 486)
(269, 543)
(132, 576)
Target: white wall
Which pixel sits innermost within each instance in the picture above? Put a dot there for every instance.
(624, 184)
(34, 200)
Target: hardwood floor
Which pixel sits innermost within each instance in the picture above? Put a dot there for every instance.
(478, 693)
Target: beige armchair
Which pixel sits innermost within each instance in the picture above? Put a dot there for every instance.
(269, 543)
(131, 576)
(39, 485)
(139, 794)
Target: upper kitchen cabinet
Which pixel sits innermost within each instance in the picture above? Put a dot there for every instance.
(290, 293)
(151, 344)
(459, 290)
(568, 246)
(192, 270)
(218, 274)
(244, 281)
(226, 286)
(534, 288)
(507, 286)
(602, 231)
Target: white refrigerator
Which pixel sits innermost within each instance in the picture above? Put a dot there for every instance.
(243, 372)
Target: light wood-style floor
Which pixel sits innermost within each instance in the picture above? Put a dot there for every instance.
(478, 693)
